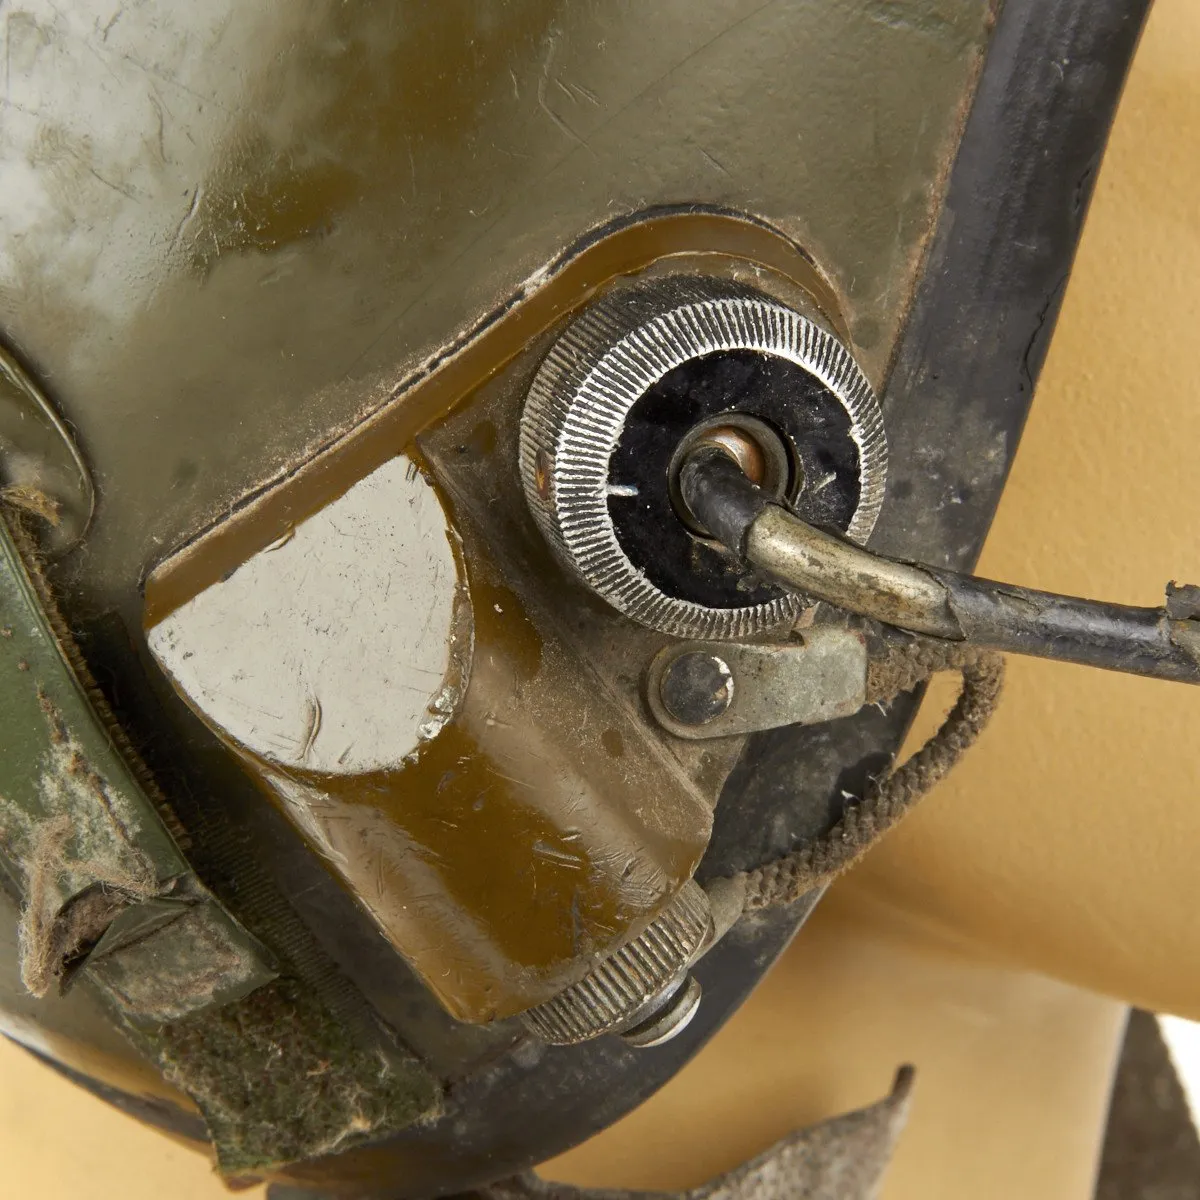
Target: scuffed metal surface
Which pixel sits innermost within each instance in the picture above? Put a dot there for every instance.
(456, 193)
(817, 677)
(499, 835)
(341, 648)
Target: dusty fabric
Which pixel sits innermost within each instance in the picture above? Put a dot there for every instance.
(95, 852)
(887, 800)
(32, 500)
(278, 1080)
(31, 558)
(173, 957)
(58, 922)
(79, 842)
(841, 1159)
(51, 935)
(906, 664)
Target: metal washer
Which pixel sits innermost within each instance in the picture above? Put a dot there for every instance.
(596, 372)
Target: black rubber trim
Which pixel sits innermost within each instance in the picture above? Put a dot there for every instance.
(997, 270)
(721, 498)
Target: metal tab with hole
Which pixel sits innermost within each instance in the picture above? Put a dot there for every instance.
(757, 686)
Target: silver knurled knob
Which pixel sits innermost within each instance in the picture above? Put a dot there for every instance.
(636, 374)
(626, 990)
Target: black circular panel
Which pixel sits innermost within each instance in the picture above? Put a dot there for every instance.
(813, 423)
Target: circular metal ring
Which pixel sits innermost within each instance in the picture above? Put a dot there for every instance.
(591, 380)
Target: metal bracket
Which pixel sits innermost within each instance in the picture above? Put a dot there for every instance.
(725, 689)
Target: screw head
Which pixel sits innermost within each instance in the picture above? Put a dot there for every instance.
(696, 688)
(671, 1018)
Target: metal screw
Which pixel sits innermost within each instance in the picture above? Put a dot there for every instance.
(665, 1022)
(696, 688)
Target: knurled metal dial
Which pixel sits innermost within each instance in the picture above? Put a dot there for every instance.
(619, 390)
(621, 989)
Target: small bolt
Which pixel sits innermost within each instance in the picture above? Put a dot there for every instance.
(696, 688)
(671, 1018)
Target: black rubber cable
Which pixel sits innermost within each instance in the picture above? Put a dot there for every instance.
(1163, 643)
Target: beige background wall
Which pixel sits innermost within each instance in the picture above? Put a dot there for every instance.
(1067, 843)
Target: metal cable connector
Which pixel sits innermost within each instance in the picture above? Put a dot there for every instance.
(1163, 643)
